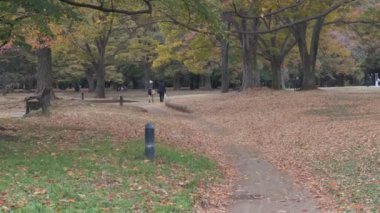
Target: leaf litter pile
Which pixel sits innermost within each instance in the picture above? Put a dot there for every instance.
(328, 141)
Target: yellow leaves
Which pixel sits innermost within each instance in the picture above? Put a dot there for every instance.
(336, 53)
(195, 51)
(164, 56)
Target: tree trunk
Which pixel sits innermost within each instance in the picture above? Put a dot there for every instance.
(91, 84)
(283, 83)
(314, 46)
(90, 79)
(44, 70)
(253, 46)
(207, 81)
(284, 77)
(176, 82)
(247, 67)
(308, 80)
(308, 58)
(276, 74)
(224, 67)
(100, 91)
(225, 45)
(202, 81)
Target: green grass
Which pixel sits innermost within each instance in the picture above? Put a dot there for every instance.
(354, 179)
(98, 176)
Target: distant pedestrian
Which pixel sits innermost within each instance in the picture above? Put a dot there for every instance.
(150, 91)
(161, 90)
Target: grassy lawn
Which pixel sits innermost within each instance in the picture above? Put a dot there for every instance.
(353, 179)
(98, 176)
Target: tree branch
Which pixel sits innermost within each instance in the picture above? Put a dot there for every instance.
(175, 21)
(341, 22)
(11, 24)
(101, 7)
(298, 3)
(325, 13)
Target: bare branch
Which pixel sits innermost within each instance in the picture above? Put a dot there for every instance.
(341, 22)
(176, 22)
(298, 3)
(101, 7)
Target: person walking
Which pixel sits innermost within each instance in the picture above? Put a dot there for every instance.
(161, 90)
(150, 91)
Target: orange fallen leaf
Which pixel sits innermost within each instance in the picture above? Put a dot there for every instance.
(2, 201)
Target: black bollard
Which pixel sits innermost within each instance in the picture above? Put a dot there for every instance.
(82, 95)
(121, 101)
(149, 141)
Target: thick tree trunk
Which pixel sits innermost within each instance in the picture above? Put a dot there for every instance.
(44, 70)
(308, 58)
(308, 80)
(247, 66)
(276, 74)
(314, 46)
(176, 82)
(284, 77)
(91, 83)
(100, 91)
(90, 79)
(207, 81)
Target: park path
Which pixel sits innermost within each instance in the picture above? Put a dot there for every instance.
(262, 188)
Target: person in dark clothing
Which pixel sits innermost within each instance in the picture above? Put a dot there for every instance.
(161, 90)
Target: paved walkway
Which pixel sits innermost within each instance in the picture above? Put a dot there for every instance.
(264, 189)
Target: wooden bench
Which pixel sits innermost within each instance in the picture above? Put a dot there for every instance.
(39, 101)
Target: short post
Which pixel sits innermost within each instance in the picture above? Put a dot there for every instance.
(149, 141)
(82, 95)
(121, 100)
(377, 79)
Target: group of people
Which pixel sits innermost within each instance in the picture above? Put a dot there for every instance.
(161, 90)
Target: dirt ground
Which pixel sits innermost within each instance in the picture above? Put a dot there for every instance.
(266, 142)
